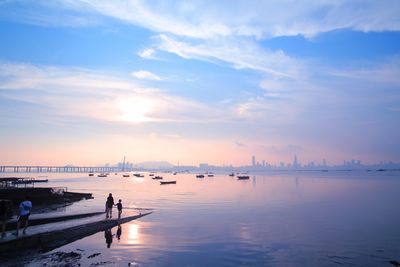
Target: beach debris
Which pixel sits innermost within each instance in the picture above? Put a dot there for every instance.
(93, 255)
(59, 258)
(102, 263)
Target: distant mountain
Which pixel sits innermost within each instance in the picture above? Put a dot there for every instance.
(155, 165)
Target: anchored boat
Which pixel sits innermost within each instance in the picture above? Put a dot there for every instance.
(168, 182)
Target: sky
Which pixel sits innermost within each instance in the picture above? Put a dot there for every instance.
(90, 81)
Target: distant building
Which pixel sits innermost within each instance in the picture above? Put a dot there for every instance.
(203, 166)
(253, 161)
(295, 162)
(323, 162)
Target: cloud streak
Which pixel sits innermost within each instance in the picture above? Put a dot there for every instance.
(258, 19)
(97, 95)
(242, 55)
(145, 75)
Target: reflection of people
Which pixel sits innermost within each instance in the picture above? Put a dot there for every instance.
(3, 216)
(24, 211)
(119, 207)
(108, 236)
(119, 232)
(109, 205)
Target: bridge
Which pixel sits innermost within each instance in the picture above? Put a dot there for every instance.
(38, 169)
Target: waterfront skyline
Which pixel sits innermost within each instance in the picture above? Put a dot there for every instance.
(83, 82)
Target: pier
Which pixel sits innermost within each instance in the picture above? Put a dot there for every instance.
(73, 169)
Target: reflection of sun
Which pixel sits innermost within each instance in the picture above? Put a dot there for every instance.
(134, 109)
(133, 232)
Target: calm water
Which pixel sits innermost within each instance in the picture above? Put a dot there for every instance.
(273, 219)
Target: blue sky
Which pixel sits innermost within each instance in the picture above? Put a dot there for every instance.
(86, 82)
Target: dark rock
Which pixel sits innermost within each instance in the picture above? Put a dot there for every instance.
(93, 255)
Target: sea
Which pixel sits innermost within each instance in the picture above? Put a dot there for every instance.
(283, 218)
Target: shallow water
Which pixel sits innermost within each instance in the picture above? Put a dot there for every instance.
(273, 219)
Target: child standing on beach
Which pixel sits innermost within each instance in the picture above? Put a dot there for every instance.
(119, 207)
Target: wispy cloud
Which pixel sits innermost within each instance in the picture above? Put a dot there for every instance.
(50, 13)
(146, 75)
(242, 55)
(239, 144)
(98, 95)
(148, 53)
(259, 19)
(214, 31)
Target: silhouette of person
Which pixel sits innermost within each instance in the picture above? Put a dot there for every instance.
(24, 211)
(119, 232)
(109, 237)
(119, 207)
(109, 205)
(3, 216)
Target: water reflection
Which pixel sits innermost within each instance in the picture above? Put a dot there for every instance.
(119, 232)
(274, 219)
(133, 232)
(109, 237)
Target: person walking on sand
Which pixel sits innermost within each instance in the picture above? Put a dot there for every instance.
(24, 211)
(3, 216)
(109, 205)
(119, 208)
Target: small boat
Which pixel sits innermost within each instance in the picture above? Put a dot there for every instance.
(138, 175)
(175, 173)
(200, 176)
(125, 175)
(41, 180)
(210, 175)
(157, 178)
(232, 174)
(243, 177)
(91, 174)
(102, 175)
(168, 182)
(151, 174)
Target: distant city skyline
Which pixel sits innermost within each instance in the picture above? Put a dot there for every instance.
(257, 165)
(83, 82)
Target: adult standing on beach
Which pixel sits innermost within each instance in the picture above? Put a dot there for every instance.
(24, 211)
(3, 216)
(109, 206)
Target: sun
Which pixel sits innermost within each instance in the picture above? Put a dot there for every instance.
(135, 110)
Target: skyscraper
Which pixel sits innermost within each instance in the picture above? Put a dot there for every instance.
(253, 159)
(295, 162)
